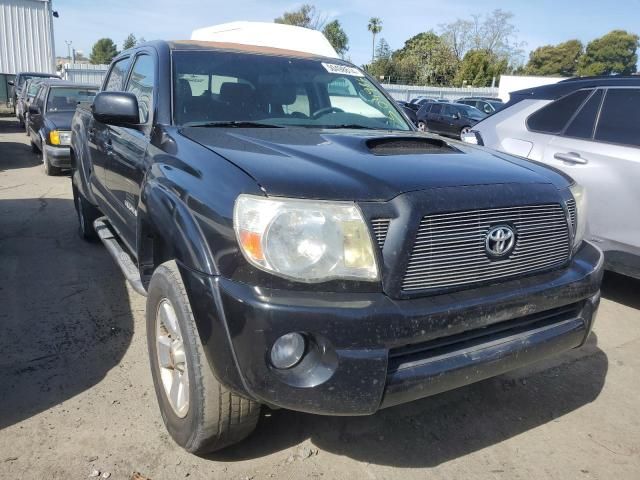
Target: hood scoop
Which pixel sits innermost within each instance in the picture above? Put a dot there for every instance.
(409, 146)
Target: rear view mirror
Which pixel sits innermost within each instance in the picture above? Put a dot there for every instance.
(116, 108)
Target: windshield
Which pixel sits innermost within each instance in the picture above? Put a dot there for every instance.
(280, 91)
(66, 99)
(24, 78)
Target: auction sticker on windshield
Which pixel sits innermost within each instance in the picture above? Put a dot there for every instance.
(342, 69)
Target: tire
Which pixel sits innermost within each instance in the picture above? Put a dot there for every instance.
(422, 126)
(48, 168)
(465, 129)
(214, 417)
(87, 213)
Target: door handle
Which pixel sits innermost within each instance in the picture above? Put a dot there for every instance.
(571, 157)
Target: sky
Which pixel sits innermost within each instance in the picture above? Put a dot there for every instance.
(539, 22)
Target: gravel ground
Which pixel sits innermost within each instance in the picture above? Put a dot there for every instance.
(76, 393)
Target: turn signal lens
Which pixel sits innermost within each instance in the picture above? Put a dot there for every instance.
(54, 137)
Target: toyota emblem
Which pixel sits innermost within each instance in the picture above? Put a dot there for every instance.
(500, 241)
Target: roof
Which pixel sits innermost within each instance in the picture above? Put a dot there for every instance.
(564, 87)
(270, 35)
(204, 45)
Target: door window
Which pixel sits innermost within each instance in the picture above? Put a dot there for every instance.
(141, 84)
(436, 108)
(552, 118)
(582, 124)
(620, 117)
(117, 75)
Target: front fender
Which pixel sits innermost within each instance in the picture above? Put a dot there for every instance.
(162, 214)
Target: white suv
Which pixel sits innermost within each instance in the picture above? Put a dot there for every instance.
(590, 129)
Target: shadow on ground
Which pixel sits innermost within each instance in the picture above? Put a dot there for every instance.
(621, 289)
(435, 430)
(66, 319)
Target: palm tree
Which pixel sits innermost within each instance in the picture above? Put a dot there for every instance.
(375, 27)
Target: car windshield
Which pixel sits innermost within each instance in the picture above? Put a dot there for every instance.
(24, 78)
(216, 88)
(65, 99)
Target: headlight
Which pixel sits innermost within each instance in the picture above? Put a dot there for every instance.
(580, 196)
(305, 240)
(57, 137)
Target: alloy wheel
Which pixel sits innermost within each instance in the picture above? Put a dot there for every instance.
(172, 360)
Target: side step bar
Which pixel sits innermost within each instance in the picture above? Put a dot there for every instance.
(121, 257)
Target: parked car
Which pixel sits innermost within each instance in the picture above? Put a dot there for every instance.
(409, 111)
(300, 255)
(590, 129)
(488, 106)
(452, 119)
(18, 82)
(24, 99)
(49, 123)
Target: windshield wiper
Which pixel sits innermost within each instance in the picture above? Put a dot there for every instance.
(355, 126)
(233, 124)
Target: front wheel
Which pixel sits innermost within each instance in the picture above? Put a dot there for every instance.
(200, 414)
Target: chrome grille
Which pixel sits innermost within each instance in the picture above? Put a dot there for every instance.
(380, 227)
(449, 249)
(571, 207)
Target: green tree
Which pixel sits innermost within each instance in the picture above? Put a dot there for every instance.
(479, 67)
(425, 59)
(103, 51)
(129, 42)
(614, 53)
(383, 66)
(306, 16)
(561, 59)
(375, 27)
(337, 37)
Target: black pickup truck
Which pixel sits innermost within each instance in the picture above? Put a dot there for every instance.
(302, 246)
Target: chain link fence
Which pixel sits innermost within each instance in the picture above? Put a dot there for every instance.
(407, 92)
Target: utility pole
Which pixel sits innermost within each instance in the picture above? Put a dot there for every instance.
(69, 43)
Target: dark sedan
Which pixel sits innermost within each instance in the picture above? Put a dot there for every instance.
(451, 119)
(50, 115)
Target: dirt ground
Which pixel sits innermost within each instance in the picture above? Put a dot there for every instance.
(76, 392)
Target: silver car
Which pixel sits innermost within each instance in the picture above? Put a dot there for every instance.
(590, 129)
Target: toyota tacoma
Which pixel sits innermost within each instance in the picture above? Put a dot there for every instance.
(302, 246)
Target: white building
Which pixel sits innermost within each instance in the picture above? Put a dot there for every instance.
(26, 36)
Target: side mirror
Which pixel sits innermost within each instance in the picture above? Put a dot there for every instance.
(12, 83)
(116, 108)
(34, 110)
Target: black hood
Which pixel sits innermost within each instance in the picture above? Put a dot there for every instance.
(348, 165)
(59, 120)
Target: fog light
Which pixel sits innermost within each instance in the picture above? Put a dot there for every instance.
(287, 350)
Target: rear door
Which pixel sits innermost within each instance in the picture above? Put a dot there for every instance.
(600, 149)
(126, 166)
(434, 118)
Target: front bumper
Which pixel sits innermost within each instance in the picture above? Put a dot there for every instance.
(59, 156)
(368, 351)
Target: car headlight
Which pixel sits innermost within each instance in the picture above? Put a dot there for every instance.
(56, 137)
(580, 196)
(305, 240)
